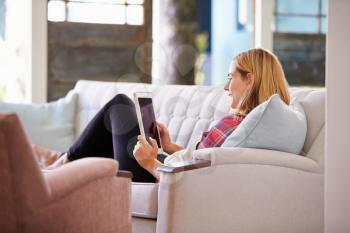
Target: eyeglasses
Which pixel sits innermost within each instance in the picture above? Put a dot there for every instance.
(243, 73)
(229, 77)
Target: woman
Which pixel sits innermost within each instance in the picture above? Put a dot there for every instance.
(253, 77)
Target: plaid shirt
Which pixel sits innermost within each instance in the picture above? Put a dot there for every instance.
(219, 132)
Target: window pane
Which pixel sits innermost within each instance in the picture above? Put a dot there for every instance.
(135, 1)
(324, 7)
(297, 24)
(297, 6)
(96, 13)
(100, 1)
(324, 25)
(56, 11)
(134, 15)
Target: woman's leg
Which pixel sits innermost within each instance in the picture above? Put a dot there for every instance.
(112, 133)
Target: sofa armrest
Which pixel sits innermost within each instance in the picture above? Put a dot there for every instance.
(249, 195)
(184, 166)
(226, 155)
(67, 178)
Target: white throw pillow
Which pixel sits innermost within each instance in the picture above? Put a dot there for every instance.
(50, 125)
(272, 125)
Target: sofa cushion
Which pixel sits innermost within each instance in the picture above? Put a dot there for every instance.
(50, 125)
(144, 225)
(272, 125)
(144, 200)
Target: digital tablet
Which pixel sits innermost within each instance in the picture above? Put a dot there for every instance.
(146, 117)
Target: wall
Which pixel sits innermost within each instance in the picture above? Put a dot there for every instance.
(337, 190)
(227, 41)
(37, 82)
(264, 18)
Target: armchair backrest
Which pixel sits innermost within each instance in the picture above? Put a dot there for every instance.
(22, 187)
(190, 110)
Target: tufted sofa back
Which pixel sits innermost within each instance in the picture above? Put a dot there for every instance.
(190, 110)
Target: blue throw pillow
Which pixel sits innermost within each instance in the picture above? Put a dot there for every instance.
(51, 125)
(272, 125)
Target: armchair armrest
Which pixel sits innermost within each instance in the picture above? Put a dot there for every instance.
(234, 155)
(184, 166)
(124, 173)
(71, 176)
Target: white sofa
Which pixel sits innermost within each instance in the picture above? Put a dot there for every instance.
(243, 190)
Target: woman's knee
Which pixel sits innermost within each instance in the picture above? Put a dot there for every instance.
(121, 99)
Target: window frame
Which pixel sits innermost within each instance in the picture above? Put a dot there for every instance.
(319, 16)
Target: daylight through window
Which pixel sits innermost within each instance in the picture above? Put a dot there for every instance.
(129, 12)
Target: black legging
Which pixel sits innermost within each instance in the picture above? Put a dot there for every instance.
(112, 133)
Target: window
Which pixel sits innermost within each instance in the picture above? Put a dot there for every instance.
(129, 12)
(300, 16)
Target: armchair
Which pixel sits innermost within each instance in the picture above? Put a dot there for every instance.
(82, 196)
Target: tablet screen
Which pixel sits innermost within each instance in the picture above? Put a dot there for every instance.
(149, 119)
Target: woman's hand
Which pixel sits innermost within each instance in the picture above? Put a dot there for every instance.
(145, 153)
(45, 156)
(167, 145)
(164, 135)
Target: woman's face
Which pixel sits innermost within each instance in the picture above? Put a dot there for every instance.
(237, 86)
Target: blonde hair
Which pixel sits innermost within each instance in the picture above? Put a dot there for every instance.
(268, 75)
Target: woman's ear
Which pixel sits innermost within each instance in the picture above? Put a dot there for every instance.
(250, 79)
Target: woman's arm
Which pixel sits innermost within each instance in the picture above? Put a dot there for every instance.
(146, 155)
(154, 170)
(171, 148)
(167, 145)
